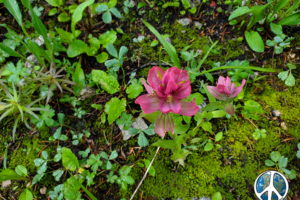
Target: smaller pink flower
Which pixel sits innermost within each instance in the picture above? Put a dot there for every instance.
(225, 89)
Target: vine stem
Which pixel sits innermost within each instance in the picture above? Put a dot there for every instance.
(145, 174)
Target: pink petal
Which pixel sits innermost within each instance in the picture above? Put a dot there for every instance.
(221, 80)
(229, 109)
(148, 88)
(214, 91)
(149, 103)
(228, 83)
(232, 88)
(164, 123)
(188, 108)
(237, 90)
(154, 78)
(183, 91)
(180, 75)
(169, 83)
(160, 90)
(172, 105)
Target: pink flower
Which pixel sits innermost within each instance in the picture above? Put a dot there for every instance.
(166, 93)
(225, 89)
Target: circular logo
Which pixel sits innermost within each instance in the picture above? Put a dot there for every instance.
(271, 185)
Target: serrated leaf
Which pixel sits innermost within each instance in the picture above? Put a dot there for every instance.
(108, 82)
(143, 141)
(114, 108)
(69, 160)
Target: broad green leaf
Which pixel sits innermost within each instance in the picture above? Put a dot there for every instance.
(291, 20)
(277, 29)
(76, 48)
(69, 160)
(123, 51)
(167, 144)
(269, 163)
(255, 41)
(13, 7)
(53, 11)
(209, 146)
(154, 43)
(112, 50)
(217, 196)
(218, 113)
(77, 15)
(113, 155)
(101, 8)
(283, 75)
(275, 155)
(134, 90)
(9, 174)
(26, 195)
(186, 4)
(282, 162)
(55, 3)
(219, 136)
(207, 126)
(65, 37)
(114, 108)
(168, 47)
(70, 189)
(290, 81)
(108, 37)
(79, 78)
(270, 43)
(238, 12)
(26, 3)
(112, 3)
(116, 12)
(108, 82)
(63, 17)
(143, 141)
(197, 96)
(101, 58)
(106, 17)
(141, 4)
(21, 170)
(61, 117)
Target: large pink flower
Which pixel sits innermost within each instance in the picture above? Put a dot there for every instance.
(166, 93)
(225, 89)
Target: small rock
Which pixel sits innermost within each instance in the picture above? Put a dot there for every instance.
(168, 40)
(276, 113)
(138, 124)
(86, 92)
(201, 106)
(139, 39)
(5, 184)
(293, 55)
(283, 126)
(198, 25)
(184, 21)
(204, 198)
(43, 190)
(199, 51)
(40, 40)
(191, 3)
(33, 59)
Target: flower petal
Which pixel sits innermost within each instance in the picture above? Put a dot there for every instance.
(180, 75)
(149, 103)
(148, 88)
(155, 76)
(164, 123)
(188, 108)
(228, 83)
(183, 91)
(237, 90)
(223, 90)
(169, 83)
(229, 109)
(169, 105)
(214, 91)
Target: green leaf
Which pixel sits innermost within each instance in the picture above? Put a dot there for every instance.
(282, 162)
(108, 82)
(113, 155)
(21, 170)
(218, 113)
(219, 136)
(209, 146)
(207, 126)
(116, 12)
(290, 81)
(168, 47)
(198, 98)
(186, 4)
(238, 12)
(26, 195)
(55, 3)
(134, 90)
(13, 7)
(141, 4)
(69, 160)
(57, 174)
(277, 29)
(45, 155)
(108, 37)
(77, 15)
(101, 58)
(150, 117)
(111, 50)
(291, 20)
(101, 7)
(150, 131)
(63, 17)
(53, 11)
(9, 174)
(106, 17)
(143, 141)
(154, 43)
(255, 41)
(280, 4)
(217, 196)
(275, 155)
(269, 163)
(112, 3)
(283, 75)
(151, 170)
(167, 144)
(11, 52)
(114, 108)
(123, 51)
(79, 78)
(76, 48)
(64, 36)
(270, 43)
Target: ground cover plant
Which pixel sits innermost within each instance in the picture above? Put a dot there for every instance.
(138, 99)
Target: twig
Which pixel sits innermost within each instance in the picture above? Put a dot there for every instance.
(145, 174)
